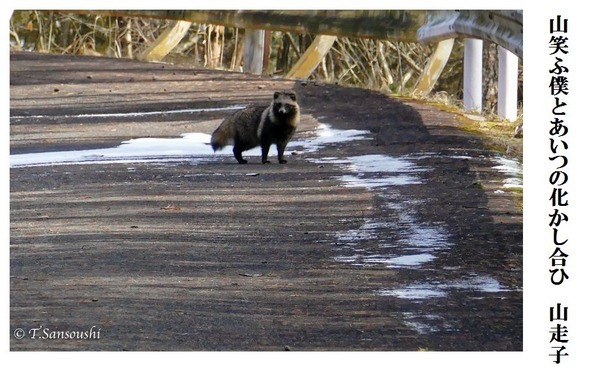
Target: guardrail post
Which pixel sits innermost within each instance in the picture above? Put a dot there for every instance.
(508, 84)
(254, 48)
(473, 75)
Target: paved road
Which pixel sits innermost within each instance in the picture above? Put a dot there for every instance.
(389, 229)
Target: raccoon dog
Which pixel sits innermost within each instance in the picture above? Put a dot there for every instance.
(260, 126)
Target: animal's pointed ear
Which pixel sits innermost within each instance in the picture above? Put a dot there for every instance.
(275, 95)
(292, 95)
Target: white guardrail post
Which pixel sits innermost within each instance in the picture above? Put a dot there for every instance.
(473, 75)
(254, 49)
(508, 84)
(504, 27)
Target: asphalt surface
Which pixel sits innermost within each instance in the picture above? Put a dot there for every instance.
(397, 237)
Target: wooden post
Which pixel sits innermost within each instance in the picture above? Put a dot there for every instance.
(311, 57)
(434, 67)
(165, 42)
(267, 52)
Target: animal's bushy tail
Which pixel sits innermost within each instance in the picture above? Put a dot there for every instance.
(220, 138)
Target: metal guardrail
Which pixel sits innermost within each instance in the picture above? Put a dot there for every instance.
(393, 24)
(504, 27)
